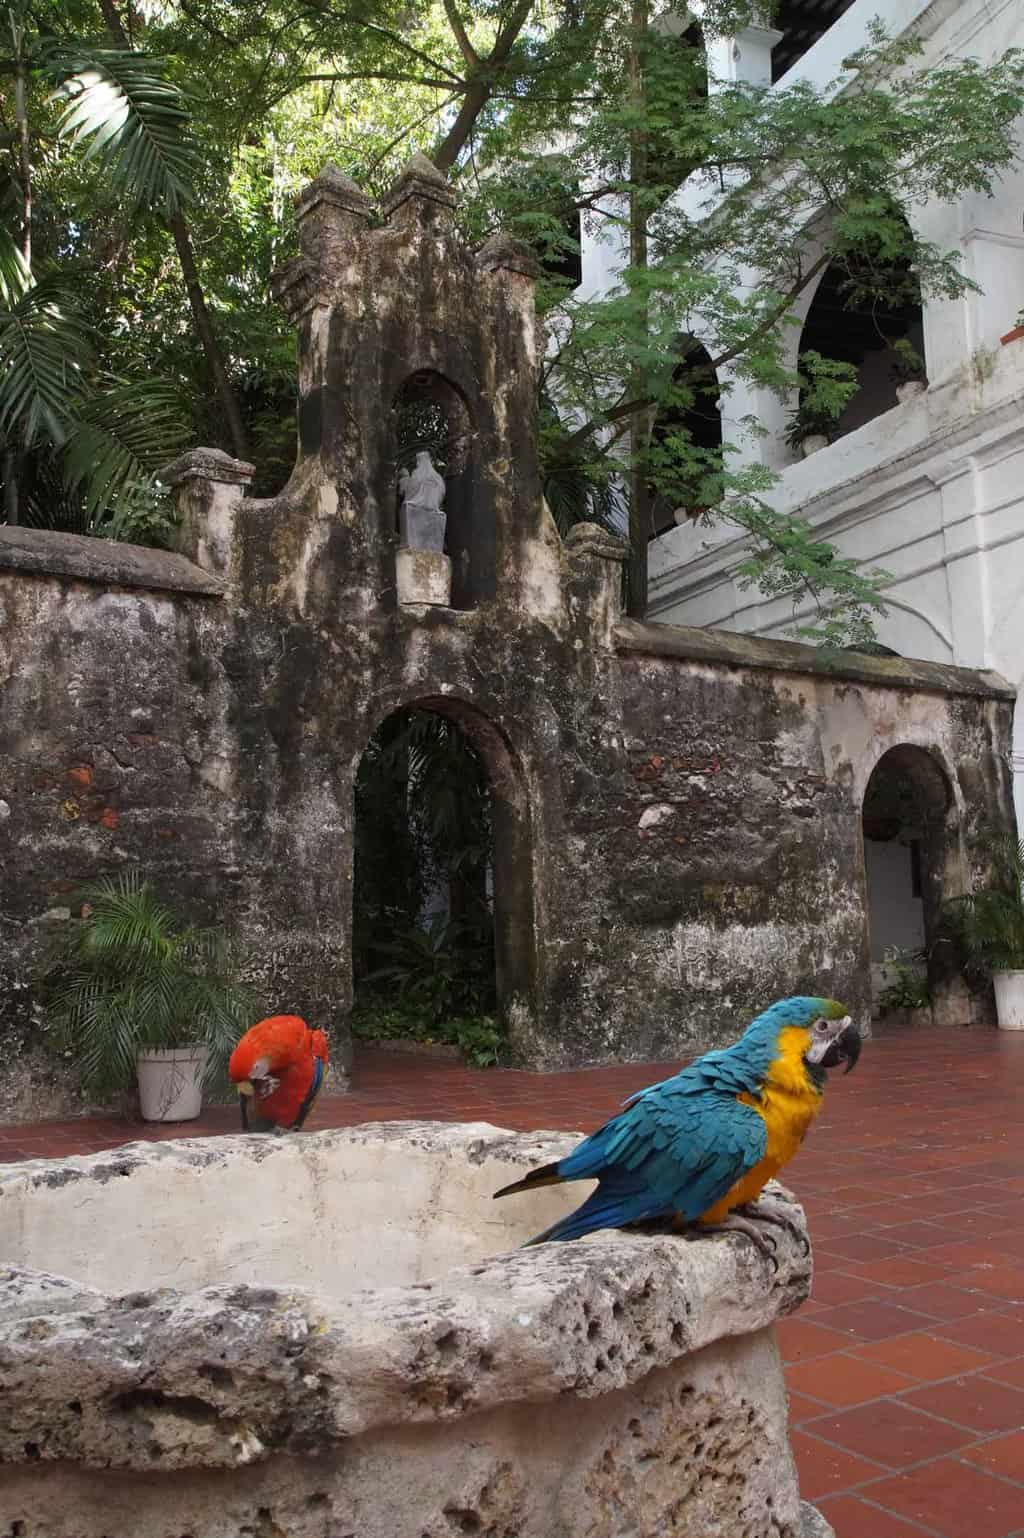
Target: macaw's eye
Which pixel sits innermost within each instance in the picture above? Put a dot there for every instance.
(820, 1026)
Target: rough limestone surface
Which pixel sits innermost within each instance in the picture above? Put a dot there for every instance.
(625, 1386)
(814, 1524)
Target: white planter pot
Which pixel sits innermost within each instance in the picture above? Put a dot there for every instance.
(1009, 988)
(171, 1084)
(909, 389)
(812, 444)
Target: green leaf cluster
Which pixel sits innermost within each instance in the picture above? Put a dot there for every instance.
(987, 925)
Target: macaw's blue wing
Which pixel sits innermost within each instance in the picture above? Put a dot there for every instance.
(677, 1148)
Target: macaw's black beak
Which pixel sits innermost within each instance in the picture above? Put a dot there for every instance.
(845, 1049)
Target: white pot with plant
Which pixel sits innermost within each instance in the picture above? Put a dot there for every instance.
(908, 370)
(142, 999)
(810, 429)
(988, 927)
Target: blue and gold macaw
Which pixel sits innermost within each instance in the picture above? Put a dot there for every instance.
(699, 1147)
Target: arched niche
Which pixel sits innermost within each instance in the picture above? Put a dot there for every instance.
(429, 413)
(847, 320)
(488, 771)
(911, 865)
(691, 413)
(802, 23)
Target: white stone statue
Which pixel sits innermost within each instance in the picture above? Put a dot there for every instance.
(421, 521)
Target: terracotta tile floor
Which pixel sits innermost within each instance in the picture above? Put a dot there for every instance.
(907, 1364)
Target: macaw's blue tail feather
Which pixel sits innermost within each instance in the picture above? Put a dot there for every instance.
(604, 1208)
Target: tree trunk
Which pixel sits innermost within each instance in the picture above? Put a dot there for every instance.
(204, 328)
(639, 491)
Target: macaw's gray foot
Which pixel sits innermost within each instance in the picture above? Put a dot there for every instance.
(736, 1223)
(778, 1215)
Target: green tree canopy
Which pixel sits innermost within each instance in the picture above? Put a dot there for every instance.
(151, 149)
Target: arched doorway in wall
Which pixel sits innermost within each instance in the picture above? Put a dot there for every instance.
(866, 311)
(685, 448)
(442, 912)
(908, 842)
(430, 415)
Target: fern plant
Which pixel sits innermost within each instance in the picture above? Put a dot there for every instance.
(132, 976)
(987, 926)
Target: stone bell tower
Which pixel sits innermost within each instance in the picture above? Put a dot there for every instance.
(398, 319)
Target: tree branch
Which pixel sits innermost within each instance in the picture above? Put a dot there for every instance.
(480, 87)
(627, 408)
(466, 48)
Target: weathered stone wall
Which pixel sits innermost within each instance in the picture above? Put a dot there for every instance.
(677, 812)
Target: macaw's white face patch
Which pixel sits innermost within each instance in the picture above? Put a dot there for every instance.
(833, 1042)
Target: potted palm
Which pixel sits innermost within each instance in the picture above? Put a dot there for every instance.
(988, 928)
(141, 998)
(811, 427)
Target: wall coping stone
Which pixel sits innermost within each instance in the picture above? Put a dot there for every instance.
(107, 562)
(688, 643)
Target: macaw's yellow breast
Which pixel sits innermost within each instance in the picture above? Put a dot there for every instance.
(788, 1103)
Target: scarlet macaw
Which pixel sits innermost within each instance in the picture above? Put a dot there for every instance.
(699, 1147)
(280, 1064)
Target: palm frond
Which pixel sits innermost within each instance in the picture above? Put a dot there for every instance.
(131, 120)
(988, 923)
(44, 347)
(15, 276)
(121, 438)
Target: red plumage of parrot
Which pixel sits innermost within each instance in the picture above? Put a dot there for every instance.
(279, 1065)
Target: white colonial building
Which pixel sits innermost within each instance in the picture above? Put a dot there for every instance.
(930, 489)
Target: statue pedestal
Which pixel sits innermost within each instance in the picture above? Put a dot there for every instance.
(423, 576)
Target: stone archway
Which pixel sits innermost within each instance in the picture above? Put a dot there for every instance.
(911, 865)
(499, 880)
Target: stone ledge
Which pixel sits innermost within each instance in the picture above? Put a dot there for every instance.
(687, 643)
(105, 562)
(224, 1375)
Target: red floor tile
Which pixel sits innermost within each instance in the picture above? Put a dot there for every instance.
(890, 1431)
(1002, 1455)
(996, 1282)
(1008, 1372)
(825, 1470)
(876, 1246)
(854, 1516)
(834, 1287)
(844, 1380)
(942, 1300)
(873, 1319)
(925, 1356)
(902, 1271)
(1001, 1334)
(800, 1339)
(953, 1499)
(976, 1401)
(800, 1407)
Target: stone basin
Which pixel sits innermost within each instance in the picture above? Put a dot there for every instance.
(335, 1336)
